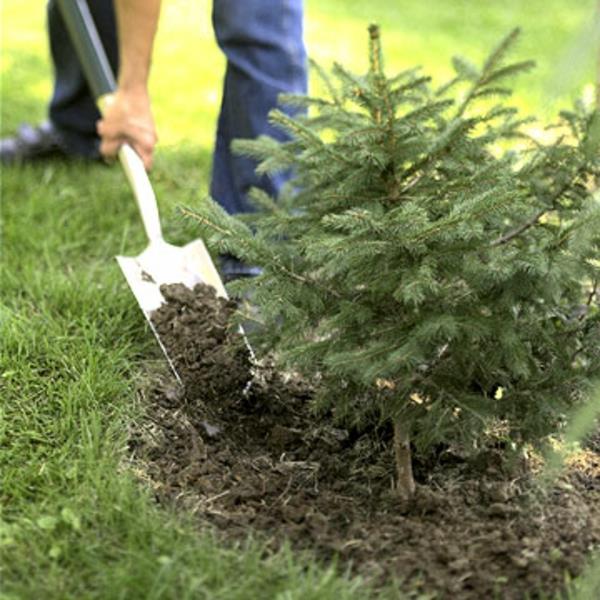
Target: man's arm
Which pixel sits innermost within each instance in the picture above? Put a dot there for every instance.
(127, 114)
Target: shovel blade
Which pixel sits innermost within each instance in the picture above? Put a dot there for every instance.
(163, 263)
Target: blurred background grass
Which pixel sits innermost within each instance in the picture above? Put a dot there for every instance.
(186, 82)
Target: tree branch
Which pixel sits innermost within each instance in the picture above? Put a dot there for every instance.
(503, 239)
(533, 220)
(229, 233)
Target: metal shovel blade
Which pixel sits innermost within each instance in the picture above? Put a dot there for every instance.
(162, 263)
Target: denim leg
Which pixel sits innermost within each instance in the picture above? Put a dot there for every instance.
(72, 108)
(263, 43)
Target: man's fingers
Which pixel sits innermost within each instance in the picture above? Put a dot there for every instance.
(140, 139)
(109, 147)
(145, 153)
(127, 119)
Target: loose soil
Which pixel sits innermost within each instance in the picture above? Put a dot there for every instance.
(256, 460)
(208, 353)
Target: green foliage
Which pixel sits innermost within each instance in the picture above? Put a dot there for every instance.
(430, 262)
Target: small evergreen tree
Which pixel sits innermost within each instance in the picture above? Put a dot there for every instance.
(429, 264)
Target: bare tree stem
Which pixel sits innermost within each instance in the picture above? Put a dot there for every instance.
(402, 453)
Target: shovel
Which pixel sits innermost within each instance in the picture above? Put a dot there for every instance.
(160, 263)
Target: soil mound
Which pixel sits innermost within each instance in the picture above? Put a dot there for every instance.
(262, 462)
(208, 353)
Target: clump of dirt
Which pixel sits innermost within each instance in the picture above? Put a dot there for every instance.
(592, 441)
(262, 462)
(208, 353)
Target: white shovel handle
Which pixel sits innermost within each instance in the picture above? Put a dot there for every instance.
(142, 190)
(100, 77)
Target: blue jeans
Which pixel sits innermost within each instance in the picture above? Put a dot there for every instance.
(263, 43)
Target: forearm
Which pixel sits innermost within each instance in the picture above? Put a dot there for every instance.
(137, 21)
(127, 114)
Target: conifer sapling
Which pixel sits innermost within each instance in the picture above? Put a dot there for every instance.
(430, 265)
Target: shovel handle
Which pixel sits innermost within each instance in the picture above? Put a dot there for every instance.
(92, 57)
(142, 189)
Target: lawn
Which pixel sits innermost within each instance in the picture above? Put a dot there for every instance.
(75, 522)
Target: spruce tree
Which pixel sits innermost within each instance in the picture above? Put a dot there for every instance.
(429, 265)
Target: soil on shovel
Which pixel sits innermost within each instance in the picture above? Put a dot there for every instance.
(208, 353)
(258, 460)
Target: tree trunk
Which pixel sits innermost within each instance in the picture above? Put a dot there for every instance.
(406, 483)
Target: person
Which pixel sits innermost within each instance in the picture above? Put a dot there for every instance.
(265, 56)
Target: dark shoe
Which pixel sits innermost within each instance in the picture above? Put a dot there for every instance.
(231, 268)
(31, 144)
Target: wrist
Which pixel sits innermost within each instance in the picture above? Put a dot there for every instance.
(133, 96)
(132, 91)
(134, 86)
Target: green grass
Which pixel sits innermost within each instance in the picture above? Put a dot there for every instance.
(74, 523)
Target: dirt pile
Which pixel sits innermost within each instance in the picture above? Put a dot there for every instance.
(592, 441)
(208, 353)
(261, 462)
(265, 464)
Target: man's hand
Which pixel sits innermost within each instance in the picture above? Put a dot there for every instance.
(128, 119)
(127, 116)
